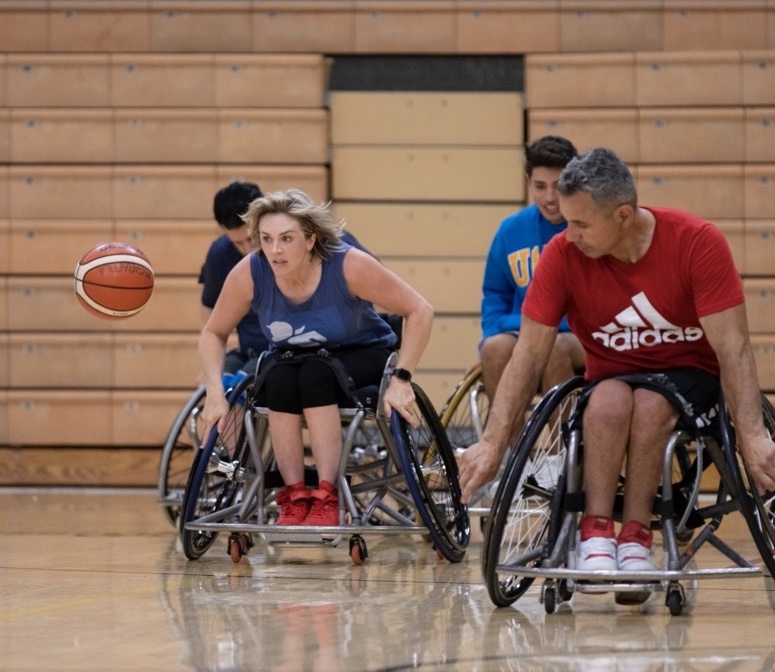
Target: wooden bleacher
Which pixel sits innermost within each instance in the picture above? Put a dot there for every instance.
(120, 119)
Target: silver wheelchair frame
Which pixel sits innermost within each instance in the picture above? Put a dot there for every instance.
(393, 479)
(536, 511)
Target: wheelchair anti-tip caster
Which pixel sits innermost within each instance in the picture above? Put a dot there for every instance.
(358, 550)
(240, 544)
(675, 598)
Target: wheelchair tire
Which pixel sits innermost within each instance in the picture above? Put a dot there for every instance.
(208, 492)
(465, 413)
(177, 455)
(529, 498)
(430, 469)
(758, 510)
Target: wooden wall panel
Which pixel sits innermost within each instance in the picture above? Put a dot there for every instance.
(4, 303)
(427, 174)
(25, 26)
(5, 246)
(57, 136)
(406, 26)
(315, 26)
(696, 24)
(205, 26)
(713, 192)
(635, 25)
(311, 179)
(163, 192)
(153, 361)
(166, 136)
(59, 418)
(507, 26)
(759, 183)
(580, 80)
(760, 134)
(60, 192)
(101, 26)
(270, 80)
(47, 246)
(587, 128)
(452, 286)
(3, 418)
(665, 79)
(172, 80)
(52, 361)
(758, 69)
(454, 343)
(692, 135)
(78, 467)
(760, 247)
(422, 229)
(143, 418)
(296, 137)
(764, 354)
(59, 80)
(5, 364)
(426, 118)
(174, 247)
(760, 304)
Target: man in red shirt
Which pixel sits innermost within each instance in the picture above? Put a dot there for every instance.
(646, 290)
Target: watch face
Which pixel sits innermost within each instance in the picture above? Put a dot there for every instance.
(402, 374)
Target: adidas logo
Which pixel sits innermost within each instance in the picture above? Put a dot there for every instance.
(641, 326)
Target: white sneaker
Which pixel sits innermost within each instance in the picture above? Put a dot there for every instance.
(596, 553)
(634, 557)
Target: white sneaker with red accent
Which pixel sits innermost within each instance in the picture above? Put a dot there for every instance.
(596, 553)
(634, 557)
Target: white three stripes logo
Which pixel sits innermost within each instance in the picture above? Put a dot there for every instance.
(629, 317)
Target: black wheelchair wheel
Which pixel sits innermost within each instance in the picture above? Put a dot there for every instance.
(210, 489)
(529, 498)
(430, 469)
(177, 455)
(757, 509)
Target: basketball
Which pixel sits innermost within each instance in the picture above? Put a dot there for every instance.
(113, 281)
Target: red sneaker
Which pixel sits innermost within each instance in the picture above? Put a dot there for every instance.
(325, 506)
(294, 504)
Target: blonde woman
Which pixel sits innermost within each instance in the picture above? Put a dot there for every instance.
(311, 291)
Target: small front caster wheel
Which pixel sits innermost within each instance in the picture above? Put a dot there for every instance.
(675, 600)
(550, 599)
(358, 550)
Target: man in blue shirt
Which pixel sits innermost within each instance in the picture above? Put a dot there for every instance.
(512, 258)
(229, 204)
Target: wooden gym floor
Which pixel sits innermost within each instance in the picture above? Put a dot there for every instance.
(94, 580)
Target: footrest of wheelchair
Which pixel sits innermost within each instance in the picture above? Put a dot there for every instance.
(611, 579)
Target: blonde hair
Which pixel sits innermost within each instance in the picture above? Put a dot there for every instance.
(313, 218)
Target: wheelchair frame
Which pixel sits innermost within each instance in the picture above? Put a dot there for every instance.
(403, 481)
(537, 507)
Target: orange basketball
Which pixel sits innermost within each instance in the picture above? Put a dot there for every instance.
(113, 280)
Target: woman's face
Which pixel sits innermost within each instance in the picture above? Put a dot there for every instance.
(283, 243)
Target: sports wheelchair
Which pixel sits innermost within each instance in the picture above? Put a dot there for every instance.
(539, 501)
(463, 417)
(393, 478)
(179, 448)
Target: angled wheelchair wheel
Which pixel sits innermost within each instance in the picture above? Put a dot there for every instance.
(528, 501)
(430, 469)
(212, 484)
(465, 413)
(177, 454)
(758, 510)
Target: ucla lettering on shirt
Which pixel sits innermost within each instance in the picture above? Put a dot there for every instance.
(523, 263)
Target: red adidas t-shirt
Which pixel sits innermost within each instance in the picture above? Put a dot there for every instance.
(641, 317)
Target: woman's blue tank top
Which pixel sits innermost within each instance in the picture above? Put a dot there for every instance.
(331, 318)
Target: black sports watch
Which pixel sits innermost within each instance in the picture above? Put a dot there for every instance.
(403, 374)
